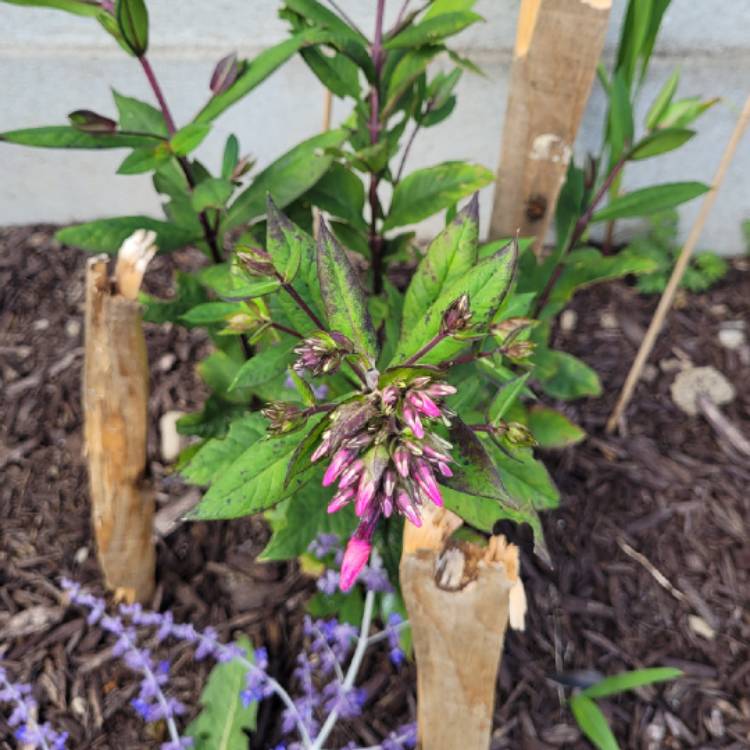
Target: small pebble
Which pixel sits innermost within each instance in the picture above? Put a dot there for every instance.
(40, 325)
(73, 328)
(650, 373)
(166, 362)
(568, 320)
(731, 338)
(171, 440)
(81, 555)
(608, 320)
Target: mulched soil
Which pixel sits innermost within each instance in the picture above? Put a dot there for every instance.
(669, 490)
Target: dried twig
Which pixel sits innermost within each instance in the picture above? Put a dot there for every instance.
(665, 303)
(658, 576)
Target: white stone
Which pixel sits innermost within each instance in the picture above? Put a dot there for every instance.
(696, 380)
(72, 328)
(171, 440)
(568, 320)
(731, 338)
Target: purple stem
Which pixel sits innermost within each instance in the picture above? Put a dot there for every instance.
(156, 88)
(431, 344)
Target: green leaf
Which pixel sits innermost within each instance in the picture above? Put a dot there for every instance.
(427, 191)
(219, 370)
(663, 100)
(651, 200)
(303, 517)
(553, 429)
(525, 478)
(232, 287)
(337, 73)
(187, 139)
(408, 69)
(145, 159)
(619, 683)
(340, 193)
(133, 114)
(486, 284)
(287, 178)
(132, 21)
(681, 113)
(231, 156)
(620, 127)
(661, 141)
(343, 296)
(563, 376)
(253, 482)
(223, 720)
(211, 193)
(265, 366)
(77, 7)
(433, 30)
(257, 70)
(506, 397)
(438, 7)
(211, 312)
(450, 255)
(64, 136)
(213, 420)
(593, 722)
(217, 454)
(291, 248)
(188, 294)
(474, 473)
(391, 322)
(106, 235)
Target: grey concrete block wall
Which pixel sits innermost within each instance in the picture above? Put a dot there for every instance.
(52, 63)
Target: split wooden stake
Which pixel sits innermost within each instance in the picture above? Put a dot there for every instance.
(665, 303)
(115, 400)
(460, 598)
(558, 45)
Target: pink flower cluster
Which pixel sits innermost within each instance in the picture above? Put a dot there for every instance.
(385, 458)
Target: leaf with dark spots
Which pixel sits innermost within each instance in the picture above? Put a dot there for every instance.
(343, 297)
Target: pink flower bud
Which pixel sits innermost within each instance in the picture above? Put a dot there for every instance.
(321, 450)
(444, 469)
(341, 499)
(425, 404)
(401, 459)
(225, 74)
(351, 474)
(389, 483)
(387, 506)
(412, 420)
(365, 494)
(426, 481)
(430, 452)
(405, 505)
(355, 558)
(340, 461)
(438, 390)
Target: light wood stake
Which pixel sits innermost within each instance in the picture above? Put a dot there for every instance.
(115, 399)
(460, 598)
(558, 45)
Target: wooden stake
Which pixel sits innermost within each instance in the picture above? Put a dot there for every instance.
(115, 399)
(558, 45)
(665, 303)
(460, 598)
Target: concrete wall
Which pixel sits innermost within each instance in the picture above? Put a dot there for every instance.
(52, 63)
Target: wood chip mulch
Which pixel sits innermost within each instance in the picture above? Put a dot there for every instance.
(668, 500)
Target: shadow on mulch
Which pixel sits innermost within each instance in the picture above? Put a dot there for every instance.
(669, 490)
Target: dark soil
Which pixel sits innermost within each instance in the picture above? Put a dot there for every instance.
(669, 489)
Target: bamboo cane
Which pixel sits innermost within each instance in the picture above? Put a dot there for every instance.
(460, 598)
(665, 303)
(115, 399)
(558, 45)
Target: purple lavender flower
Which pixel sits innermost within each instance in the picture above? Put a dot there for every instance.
(24, 714)
(384, 455)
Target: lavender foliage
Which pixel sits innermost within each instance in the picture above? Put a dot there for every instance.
(324, 676)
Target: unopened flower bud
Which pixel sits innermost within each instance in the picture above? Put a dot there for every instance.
(518, 350)
(322, 353)
(519, 434)
(457, 317)
(241, 168)
(225, 73)
(355, 558)
(283, 417)
(256, 260)
(90, 122)
(511, 326)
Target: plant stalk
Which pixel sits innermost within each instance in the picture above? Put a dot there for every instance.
(578, 231)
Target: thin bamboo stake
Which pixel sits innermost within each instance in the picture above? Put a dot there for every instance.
(665, 303)
(558, 45)
(115, 399)
(460, 598)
